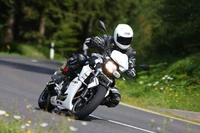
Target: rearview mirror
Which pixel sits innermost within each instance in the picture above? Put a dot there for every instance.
(102, 26)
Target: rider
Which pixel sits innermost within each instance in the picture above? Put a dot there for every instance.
(121, 41)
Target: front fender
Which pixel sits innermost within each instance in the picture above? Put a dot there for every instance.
(105, 81)
(104, 84)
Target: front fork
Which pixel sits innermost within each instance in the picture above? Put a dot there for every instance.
(105, 81)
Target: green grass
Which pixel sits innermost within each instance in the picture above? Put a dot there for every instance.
(31, 50)
(11, 121)
(10, 127)
(9, 124)
(176, 86)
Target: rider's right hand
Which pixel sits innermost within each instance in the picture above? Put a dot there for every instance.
(87, 41)
(95, 42)
(98, 41)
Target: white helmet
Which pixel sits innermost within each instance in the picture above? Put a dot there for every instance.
(123, 35)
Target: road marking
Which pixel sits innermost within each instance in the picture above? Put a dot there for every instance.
(123, 124)
(33, 60)
(153, 112)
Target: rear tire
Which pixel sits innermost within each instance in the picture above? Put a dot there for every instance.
(44, 99)
(91, 105)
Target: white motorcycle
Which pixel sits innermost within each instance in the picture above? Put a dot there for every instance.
(92, 83)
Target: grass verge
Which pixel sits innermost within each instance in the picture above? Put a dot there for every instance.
(175, 86)
(31, 50)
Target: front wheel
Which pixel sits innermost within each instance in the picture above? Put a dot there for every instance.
(82, 108)
(44, 99)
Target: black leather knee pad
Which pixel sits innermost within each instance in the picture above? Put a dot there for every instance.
(115, 99)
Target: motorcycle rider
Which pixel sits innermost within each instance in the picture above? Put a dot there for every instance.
(121, 41)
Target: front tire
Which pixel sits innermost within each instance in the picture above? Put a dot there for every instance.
(91, 105)
(44, 99)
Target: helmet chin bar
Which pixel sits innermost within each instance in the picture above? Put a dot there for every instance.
(123, 35)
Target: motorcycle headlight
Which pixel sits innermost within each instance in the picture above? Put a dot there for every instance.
(111, 66)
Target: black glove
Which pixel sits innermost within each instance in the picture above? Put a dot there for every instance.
(131, 73)
(87, 41)
(131, 63)
(97, 42)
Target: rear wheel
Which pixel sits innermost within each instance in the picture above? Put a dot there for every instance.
(85, 106)
(44, 98)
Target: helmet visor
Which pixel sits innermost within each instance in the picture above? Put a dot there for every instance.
(124, 40)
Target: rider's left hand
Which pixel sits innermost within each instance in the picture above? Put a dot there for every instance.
(131, 73)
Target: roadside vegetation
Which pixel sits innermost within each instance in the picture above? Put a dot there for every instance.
(174, 86)
(13, 122)
(18, 124)
(31, 50)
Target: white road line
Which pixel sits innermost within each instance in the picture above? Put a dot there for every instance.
(123, 124)
(153, 112)
(33, 60)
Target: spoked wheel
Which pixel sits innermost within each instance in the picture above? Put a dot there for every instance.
(85, 106)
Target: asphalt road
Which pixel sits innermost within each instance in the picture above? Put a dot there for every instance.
(23, 79)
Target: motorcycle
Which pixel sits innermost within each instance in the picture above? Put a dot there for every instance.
(89, 86)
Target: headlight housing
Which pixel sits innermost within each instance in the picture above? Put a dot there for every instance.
(110, 66)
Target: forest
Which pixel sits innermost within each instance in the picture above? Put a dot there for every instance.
(164, 30)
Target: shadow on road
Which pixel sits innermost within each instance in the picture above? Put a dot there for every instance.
(26, 67)
(68, 114)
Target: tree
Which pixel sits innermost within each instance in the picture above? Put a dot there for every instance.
(7, 17)
(179, 33)
(144, 20)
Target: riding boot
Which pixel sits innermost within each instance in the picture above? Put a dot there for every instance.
(113, 99)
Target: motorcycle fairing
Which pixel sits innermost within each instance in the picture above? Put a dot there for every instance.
(74, 85)
(71, 91)
(121, 59)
